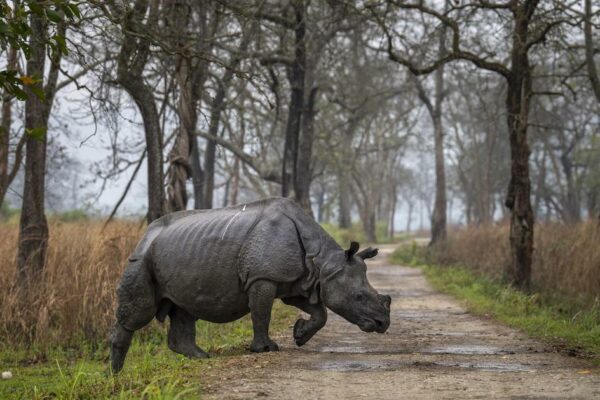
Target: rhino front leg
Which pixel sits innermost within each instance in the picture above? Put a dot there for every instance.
(261, 296)
(306, 329)
(182, 334)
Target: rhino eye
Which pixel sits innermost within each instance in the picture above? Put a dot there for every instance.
(359, 297)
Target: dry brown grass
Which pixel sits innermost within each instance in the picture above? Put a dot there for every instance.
(75, 298)
(566, 259)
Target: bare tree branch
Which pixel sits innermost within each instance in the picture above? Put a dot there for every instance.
(249, 160)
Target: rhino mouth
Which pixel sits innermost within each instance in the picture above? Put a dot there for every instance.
(374, 325)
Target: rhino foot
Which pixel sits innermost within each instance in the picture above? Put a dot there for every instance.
(188, 350)
(263, 346)
(194, 353)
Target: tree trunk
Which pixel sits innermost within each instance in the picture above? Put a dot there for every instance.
(7, 174)
(572, 206)
(211, 149)
(518, 199)
(409, 215)
(178, 172)
(344, 217)
(438, 218)
(366, 208)
(394, 201)
(131, 62)
(235, 182)
(189, 77)
(197, 174)
(589, 56)
(296, 78)
(589, 50)
(144, 98)
(321, 206)
(33, 227)
(217, 107)
(367, 217)
(226, 194)
(235, 176)
(304, 168)
(369, 223)
(207, 13)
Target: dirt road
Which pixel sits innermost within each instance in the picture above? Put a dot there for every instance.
(434, 349)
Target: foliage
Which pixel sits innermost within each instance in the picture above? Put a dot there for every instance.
(15, 32)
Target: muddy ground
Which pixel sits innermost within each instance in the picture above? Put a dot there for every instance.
(434, 349)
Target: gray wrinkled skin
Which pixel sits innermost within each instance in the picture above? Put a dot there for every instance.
(218, 265)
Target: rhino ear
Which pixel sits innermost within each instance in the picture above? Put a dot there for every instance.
(369, 252)
(354, 246)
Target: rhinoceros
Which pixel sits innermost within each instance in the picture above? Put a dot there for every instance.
(218, 265)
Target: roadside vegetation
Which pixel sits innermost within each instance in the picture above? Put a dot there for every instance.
(54, 340)
(563, 307)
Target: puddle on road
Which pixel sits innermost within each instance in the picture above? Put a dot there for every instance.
(357, 366)
(467, 350)
(450, 333)
(489, 366)
(349, 347)
(367, 366)
(429, 314)
(343, 349)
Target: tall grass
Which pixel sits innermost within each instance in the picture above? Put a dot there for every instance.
(566, 260)
(53, 338)
(75, 298)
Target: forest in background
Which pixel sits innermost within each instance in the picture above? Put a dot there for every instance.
(483, 110)
(474, 123)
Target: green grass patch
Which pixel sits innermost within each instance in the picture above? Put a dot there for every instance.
(410, 254)
(569, 327)
(151, 370)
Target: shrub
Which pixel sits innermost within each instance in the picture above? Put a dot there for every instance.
(566, 261)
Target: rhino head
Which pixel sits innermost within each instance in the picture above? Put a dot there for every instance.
(346, 291)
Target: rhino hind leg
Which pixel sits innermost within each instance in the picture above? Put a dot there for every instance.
(137, 307)
(182, 334)
(261, 296)
(304, 329)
